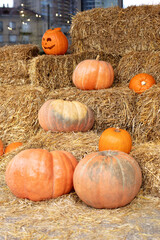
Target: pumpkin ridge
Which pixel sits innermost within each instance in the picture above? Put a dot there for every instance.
(79, 122)
(122, 173)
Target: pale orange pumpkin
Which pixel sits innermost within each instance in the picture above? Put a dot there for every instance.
(107, 179)
(12, 146)
(54, 42)
(93, 74)
(141, 82)
(37, 174)
(115, 139)
(59, 115)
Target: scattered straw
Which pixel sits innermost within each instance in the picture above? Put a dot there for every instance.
(147, 115)
(56, 71)
(116, 30)
(18, 112)
(148, 156)
(139, 62)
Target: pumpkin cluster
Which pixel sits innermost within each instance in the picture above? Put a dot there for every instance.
(108, 178)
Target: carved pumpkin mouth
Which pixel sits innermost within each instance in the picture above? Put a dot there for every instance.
(50, 47)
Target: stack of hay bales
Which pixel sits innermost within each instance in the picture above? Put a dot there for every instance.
(14, 63)
(128, 39)
(116, 30)
(110, 33)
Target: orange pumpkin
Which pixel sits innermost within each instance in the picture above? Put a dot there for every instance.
(54, 42)
(115, 139)
(107, 179)
(141, 82)
(12, 146)
(1, 147)
(93, 74)
(37, 174)
(58, 115)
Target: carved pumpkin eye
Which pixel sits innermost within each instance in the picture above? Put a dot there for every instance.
(43, 39)
(48, 39)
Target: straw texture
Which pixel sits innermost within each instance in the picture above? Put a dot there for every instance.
(116, 30)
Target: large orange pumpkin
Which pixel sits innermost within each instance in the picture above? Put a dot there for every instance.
(12, 146)
(37, 174)
(59, 115)
(54, 42)
(93, 74)
(141, 82)
(1, 147)
(115, 139)
(107, 179)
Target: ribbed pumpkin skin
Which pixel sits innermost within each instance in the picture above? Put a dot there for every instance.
(12, 146)
(65, 116)
(115, 139)
(141, 82)
(107, 179)
(54, 42)
(1, 148)
(37, 174)
(93, 74)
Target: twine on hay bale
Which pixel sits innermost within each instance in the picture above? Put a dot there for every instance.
(18, 52)
(19, 112)
(147, 115)
(148, 155)
(116, 30)
(138, 62)
(54, 72)
(113, 107)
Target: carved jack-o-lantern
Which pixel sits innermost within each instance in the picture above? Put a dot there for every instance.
(54, 42)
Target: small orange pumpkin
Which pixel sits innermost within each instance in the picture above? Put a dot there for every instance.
(107, 179)
(115, 139)
(37, 174)
(141, 82)
(59, 115)
(54, 42)
(93, 74)
(12, 146)
(1, 147)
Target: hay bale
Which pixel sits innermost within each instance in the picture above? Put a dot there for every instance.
(138, 62)
(148, 155)
(116, 30)
(147, 116)
(79, 144)
(18, 52)
(14, 62)
(56, 71)
(113, 107)
(19, 112)
(14, 73)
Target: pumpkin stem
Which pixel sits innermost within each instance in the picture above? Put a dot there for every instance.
(97, 58)
(117, 129)
(143, 83)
